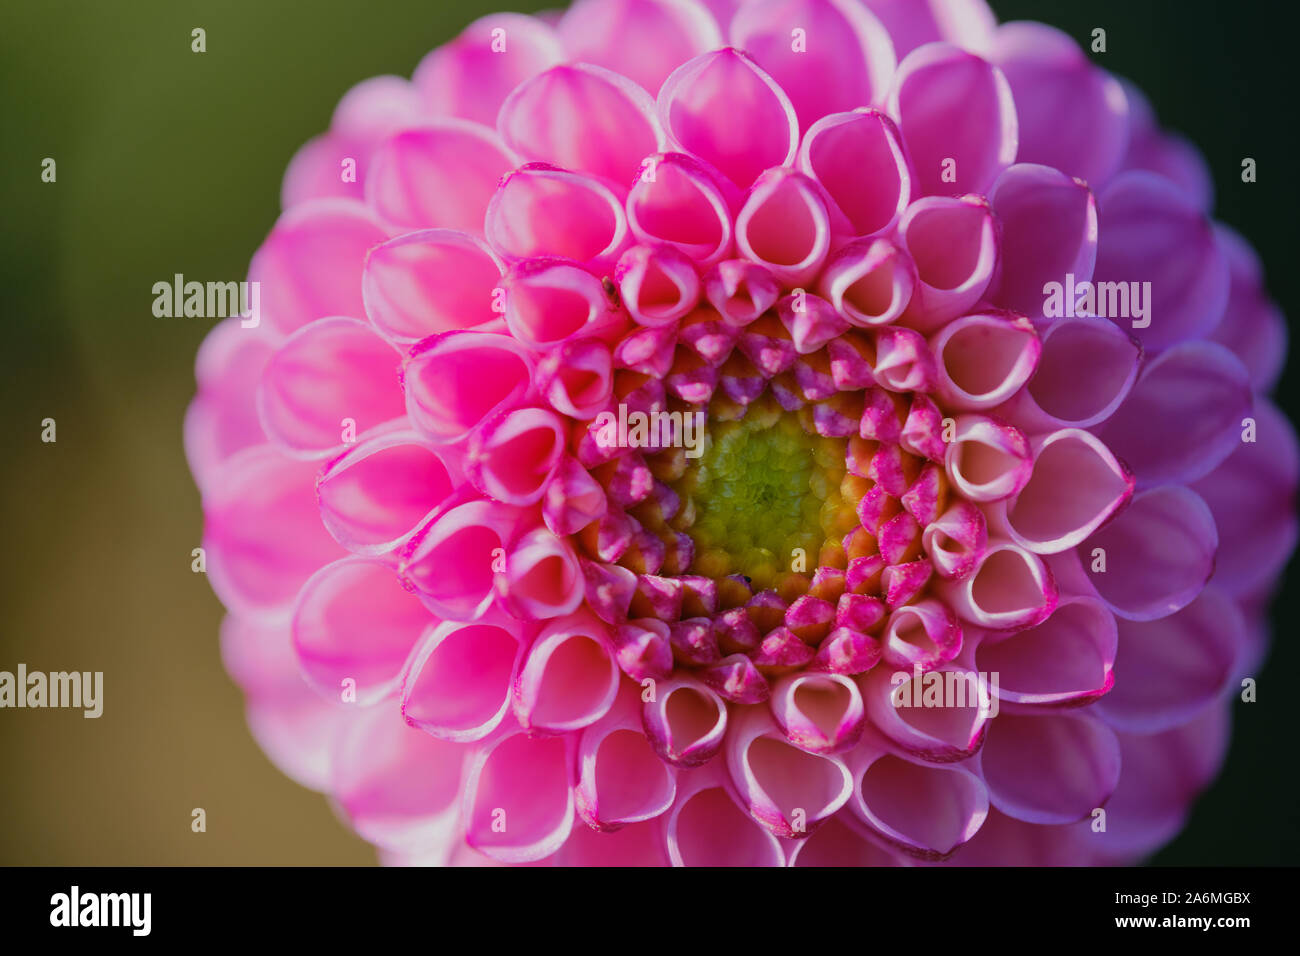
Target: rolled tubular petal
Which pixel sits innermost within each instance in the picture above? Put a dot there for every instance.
(784, 226)
(983, 360)
(1072, 116)
(539, 210)
(1184, 415)
(621, 780)
(678, 201)
(1076, 486)
(939, 716)
(1066, 660)
(846, 59)
(1011, 588)
(1049, 232)
(988, 460)
(515, 454)
(923, 810)
(685, 721)
(1157, 554)
(1150, 233)
(1169, 670)
(723, 108)
(568, 678)
(657, 284)
(858, 159)
(308, 266)
(957, 118)
(518, 803)
(457, 686)
(925, 634)
(542, 577)
(869, 282)
(820, 713)
(549, 301)
(454, 560)
(1085, 372)
(911, 23)
(786, 789)
(457, 380)
(837, 843)
(1050, 768)
(956, 541)
(428, 282)
(439, 176)
(374, 496)
(954, 245)
(584, 118)
(740, 291)
(707, 826)
(1253, 327)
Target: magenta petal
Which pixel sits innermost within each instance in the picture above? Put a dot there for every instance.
(911, 23)
(539, 210)
(428, 282)
(458, 684)
(584, 118)
(786, 789)
(869, 282)
(518, 803)
(708, 827)
(262, 531)
(1010, 588)
(925, 811)
(308, 267)
(988, 460)
(456, 380)
(621, 780)
(373, 496)
(1072, 115)
(328, 383)
(438, 176)
(1252, 497)
(1049, 231)
(724, 109)
(567, 679)
(858, 159)
(514, 455)
(471, 75)
(454, 561)
(983, 360)
(954, 110)
(542, 577)
(549, 301)
(685, 721)
(1252, 327)
(819, 713)
(953, 731)
(657, 284)
(1050, 768)
(1151, 232)
(846, 59)
(784, 226)
(678, 201)
(1066, 660)
(1184, 415)
(667, 32)
(573, 499)
(397, 786)
(954, 246)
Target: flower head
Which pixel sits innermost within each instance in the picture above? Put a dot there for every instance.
(797, 431)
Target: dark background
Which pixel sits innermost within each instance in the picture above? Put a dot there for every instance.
(171, 161)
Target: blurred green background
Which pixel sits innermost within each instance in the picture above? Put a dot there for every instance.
(170, 161)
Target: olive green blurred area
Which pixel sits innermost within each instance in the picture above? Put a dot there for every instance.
(170, 161)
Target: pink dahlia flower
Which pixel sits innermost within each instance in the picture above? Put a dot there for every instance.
(675, 398)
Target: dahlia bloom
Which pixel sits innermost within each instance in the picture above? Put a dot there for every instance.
(674, 390)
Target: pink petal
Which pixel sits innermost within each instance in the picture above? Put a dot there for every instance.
(1150, 231)
(741, 291)
(787, 790)
(542, 211)
(1011, 588)
(577, 378)
(439, 176)
(428, 282)
(858, 159)
(1049, 231)
(621, 780)
(1072, 115)
(373, 496)
(262, 531)
(543, 578)
(568, 678)
(898, 709)
(708, 827)
(584, 118)
(954, 244)
(685, 722)
(657, 284)
(549, 301)
(518, 803)
(819, 713)
(458, 684)
(838, 844)
(310, 265)
(454, 561)
(1051, 768)
(846, 60)
(784, 226)
(952, 105)
(1253, 327)
(911, 23)
(678, 201)
(1184, 415)
(471, 76)
(982, 360)
(724, 109)
(1066, 660)
(869, 282)
(667, 32)
(457, 380)
(1168, 670)
(987, 460)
